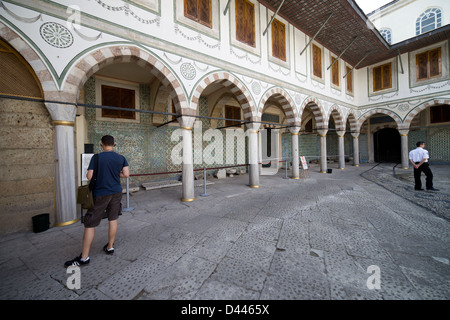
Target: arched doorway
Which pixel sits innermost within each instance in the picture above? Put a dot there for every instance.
(387, 145)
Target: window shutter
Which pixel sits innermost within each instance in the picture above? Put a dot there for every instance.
(281, 41)
(110, 98)
(250, 23)
(422, 66)
(317, 61)
(435, 62)
(127, 101)
(377, 84)
(275, 39)
(335, 72)
(190, 9)
(240, 21)
(204, 12)
(349, 79)
(387, 76)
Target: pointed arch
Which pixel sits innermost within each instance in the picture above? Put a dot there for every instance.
(370, 113)
(94, 60)
(236, 87)
(283, 98)
(336, 113)
(317, 110)
(417, 109)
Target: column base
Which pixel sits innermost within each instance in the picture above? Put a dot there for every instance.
(323, 172)
(406, 168)
(341, 168)
(188, 200)
(295, 178)
(62, 224)
(356, 165)
(254, 186)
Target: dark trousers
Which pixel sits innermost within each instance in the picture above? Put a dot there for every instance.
(425, 168)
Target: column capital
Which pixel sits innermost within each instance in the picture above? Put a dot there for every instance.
(294, 130)
(403, 132)
(61, 112)
(355, 134)
(186, 122)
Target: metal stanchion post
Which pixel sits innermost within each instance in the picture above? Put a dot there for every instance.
(204, 194)
(128, 208)
(285, 170)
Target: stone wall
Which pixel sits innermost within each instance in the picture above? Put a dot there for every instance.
(27, 175)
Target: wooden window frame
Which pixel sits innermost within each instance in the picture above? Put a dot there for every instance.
(428, 64)
(245, 33)
(118, 114)
(349, 80)
(278, 43)
(196, 16)
(383, 69)
(335, 74)
(316, 50)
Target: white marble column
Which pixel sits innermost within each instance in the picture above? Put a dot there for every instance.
(63, 117)
(323, 149)
(187, 124)
(404, 148)
(355, 136)
(253, 169)
(340, 134)
(295, 153)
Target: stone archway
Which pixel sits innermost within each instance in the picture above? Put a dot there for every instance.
(245, 100)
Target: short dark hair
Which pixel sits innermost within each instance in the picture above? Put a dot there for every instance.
(419, 143)
(108, 140)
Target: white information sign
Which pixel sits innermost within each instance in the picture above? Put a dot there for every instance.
(85, 160)
(304, 164)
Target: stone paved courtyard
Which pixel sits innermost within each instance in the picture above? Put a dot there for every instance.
(313, 238)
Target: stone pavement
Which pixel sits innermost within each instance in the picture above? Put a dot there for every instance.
(335, 236)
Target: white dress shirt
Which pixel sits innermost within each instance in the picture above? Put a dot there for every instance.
(418, 154)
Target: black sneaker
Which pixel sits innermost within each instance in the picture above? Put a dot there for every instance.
(76, 262)
(108, 251)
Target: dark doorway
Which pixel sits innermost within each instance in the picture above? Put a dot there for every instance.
(387, 145)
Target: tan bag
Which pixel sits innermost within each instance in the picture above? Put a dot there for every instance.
(85, 197)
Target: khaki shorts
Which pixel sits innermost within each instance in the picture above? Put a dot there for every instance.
(111, 203)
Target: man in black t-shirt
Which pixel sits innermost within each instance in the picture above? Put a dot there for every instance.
(107, 194)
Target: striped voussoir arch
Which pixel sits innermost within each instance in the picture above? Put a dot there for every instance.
(351, 118)
(235, 86)
(370, 113)
(335, 112)
(101, 57)
(283, 98)
(417, 109)
(317, 109)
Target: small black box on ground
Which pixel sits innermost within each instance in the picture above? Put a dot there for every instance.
(330, 170)
(41, 222)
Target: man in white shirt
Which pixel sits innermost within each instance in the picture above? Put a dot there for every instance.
(419, 159)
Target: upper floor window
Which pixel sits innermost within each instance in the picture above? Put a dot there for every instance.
(382, 77)
(428, 20)
(387, 35)
(428, 64)
(317, 61)
(199, 11)
(245, 22)
(118, 97)
(335, 72)
(278, 40)
(349, 79)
